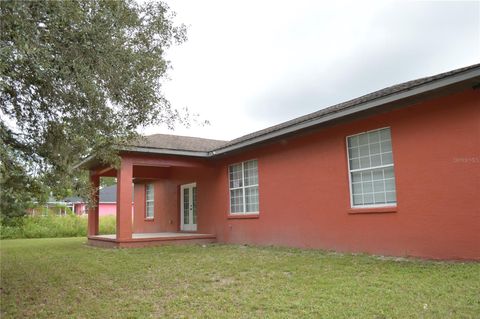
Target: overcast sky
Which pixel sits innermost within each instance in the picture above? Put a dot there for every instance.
(248, 65)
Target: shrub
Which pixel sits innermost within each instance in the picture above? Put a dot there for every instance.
(108, 225)
(69, 225)
(11, 232)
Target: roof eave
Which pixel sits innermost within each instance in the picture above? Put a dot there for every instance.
(85, 163)
(423, 88)
(369, 105)
(166, 151)
(91, 161)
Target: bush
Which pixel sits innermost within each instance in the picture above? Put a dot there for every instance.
(108, 225)
(69, 225)
(11, 232)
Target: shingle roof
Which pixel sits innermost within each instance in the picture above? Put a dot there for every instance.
(345, 105)
(401, 93)
(108, 194)
(185, 143)
(73, 199)
(177, 142)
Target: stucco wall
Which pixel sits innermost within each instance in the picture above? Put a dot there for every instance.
(106, 209)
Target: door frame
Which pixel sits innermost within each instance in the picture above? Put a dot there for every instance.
(188, 227)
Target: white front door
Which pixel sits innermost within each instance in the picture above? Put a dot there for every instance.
(188, 207)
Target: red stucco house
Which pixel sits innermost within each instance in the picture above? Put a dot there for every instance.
(107, 204)
(394, 172)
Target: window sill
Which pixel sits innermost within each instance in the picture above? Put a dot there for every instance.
(373, 210)
(243, 216)
(149, 219)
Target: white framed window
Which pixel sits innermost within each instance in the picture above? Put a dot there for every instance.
(149, 201)
(371, 169)
(243, 179)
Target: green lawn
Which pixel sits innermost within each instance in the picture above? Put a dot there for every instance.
(64, 278)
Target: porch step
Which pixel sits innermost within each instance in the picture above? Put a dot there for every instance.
(151, 239)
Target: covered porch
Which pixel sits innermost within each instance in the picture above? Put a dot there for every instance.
(156, 202)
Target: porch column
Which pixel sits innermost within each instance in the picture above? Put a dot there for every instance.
(124, 199)
(93, 208)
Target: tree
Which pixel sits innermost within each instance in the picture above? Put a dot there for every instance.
(77, 77)
(107, 181)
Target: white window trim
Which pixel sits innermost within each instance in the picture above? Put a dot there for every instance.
(149, 200)
(352, 206)
(243, 187)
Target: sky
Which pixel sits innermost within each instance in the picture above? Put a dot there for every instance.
(248, 65)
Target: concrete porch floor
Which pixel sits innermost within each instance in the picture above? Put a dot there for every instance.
(154, 235)
(151, 239)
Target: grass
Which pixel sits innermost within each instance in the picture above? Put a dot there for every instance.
(64, 278)
(54, 226)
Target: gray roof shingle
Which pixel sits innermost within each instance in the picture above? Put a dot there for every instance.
(177, 142)
(107, 194)
(71, 199)
(348, 104)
